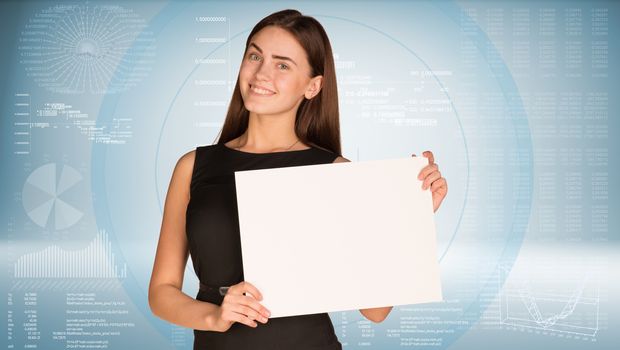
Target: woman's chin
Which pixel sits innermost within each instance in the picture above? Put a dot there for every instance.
(256, 108)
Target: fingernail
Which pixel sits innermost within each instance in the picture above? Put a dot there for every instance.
(268, 313)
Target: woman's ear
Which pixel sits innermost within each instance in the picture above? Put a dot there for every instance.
(314, 87)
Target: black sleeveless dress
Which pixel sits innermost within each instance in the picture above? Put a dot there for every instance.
(212, 228)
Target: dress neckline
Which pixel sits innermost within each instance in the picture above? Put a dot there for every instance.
(260, 154)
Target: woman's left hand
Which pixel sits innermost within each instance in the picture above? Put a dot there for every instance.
(432, 178)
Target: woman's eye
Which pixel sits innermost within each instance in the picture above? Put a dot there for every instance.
(283, 66)
(252, 55)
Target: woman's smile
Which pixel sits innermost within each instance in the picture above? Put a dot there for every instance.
(257, 90)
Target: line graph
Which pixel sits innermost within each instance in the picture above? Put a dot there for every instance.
(94, 261)
(528, 303)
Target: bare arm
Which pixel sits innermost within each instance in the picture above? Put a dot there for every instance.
(166, 299)
(377, 314)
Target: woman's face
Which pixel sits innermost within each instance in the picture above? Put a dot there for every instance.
(275, 75)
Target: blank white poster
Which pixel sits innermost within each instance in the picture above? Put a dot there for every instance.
(338, 236)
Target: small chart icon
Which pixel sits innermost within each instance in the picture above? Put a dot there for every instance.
(43, 196)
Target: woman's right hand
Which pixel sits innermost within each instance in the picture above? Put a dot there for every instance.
(237, 307)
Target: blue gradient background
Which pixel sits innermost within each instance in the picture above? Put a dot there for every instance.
(527, 216)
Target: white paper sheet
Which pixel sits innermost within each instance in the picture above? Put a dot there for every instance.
(338, 236)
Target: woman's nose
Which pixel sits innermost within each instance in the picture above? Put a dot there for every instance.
(263, 72)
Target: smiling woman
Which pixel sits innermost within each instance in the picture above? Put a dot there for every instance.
(286, 90)
(267, 72)
(283, 112)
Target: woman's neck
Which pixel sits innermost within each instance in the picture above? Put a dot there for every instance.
(269, 133)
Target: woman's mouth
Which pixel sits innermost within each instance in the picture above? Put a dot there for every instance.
(260, 91)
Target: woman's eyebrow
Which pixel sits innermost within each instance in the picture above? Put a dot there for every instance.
(274, 56)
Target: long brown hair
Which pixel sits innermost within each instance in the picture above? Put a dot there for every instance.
(317, 122)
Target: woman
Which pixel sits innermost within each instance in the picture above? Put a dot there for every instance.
(283, 112)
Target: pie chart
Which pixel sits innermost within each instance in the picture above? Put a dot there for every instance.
(46, 196)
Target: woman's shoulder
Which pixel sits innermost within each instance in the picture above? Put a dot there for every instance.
(196, 158)
(187, 161)
(182, 176)
(185, 164)
(190, 156)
